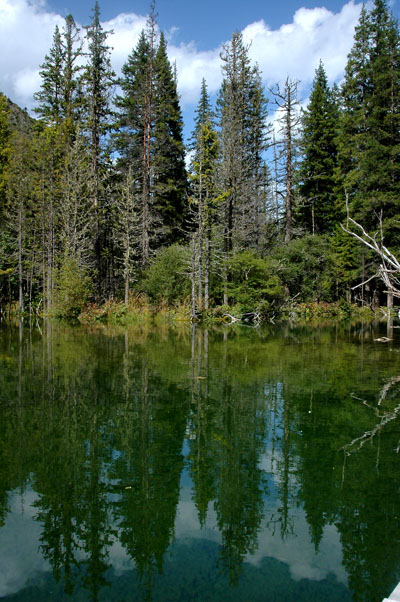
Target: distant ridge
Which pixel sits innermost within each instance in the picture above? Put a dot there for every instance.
(19, 118)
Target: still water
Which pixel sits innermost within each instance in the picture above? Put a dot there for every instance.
(192, 465)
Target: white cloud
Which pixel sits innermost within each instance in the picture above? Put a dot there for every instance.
(26, 29)
(295, 49)
(126, 28)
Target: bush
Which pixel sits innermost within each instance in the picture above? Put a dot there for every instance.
(168, 276)
(306, 268)
(73, 287)
(254, 282)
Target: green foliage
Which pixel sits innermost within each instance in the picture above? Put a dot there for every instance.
(170, 181)
(242, 112)
(316, 211)
(369, 140)
(306, 267)
(254, 282)
(167, 277)
(73, 287)
(5, 148)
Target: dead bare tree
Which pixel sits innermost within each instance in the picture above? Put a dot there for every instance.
(389, 268)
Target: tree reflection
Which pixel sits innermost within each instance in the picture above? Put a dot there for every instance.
(97, 427)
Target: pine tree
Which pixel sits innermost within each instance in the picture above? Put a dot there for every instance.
(50, 96)
(204, 165)
(149, 141)
(317, 174)
(5, 151)
(99, 80)
(72, 50)
(135, 128)
(369, 141)
(170, 180)
(242, 113)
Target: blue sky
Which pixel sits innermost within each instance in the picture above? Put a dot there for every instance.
(207, 22)
(286, 38)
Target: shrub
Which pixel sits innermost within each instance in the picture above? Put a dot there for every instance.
(73, 287)
(168, 276)
(306, 268)
(254, 282)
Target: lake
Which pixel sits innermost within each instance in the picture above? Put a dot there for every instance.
(183, 464)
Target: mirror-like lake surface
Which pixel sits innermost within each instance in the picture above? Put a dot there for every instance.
(186, 465)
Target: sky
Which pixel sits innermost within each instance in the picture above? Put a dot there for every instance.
(289, 37)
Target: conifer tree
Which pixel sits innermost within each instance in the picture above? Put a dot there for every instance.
(369, 141)
(50, 95)
(5, 151)
(135, 128)
(72, 50)
(99, 80)
(203, 178)
(57, 97)
(170, 180)
(317, 174)
(150, 141)
(242, 114)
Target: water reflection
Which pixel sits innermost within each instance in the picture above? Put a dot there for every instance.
(170, 465)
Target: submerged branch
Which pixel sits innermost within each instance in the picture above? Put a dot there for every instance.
(384, 419)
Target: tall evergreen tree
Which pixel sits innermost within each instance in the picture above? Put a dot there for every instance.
(99, 80)
(5, 150)
(72, 48)
(150, 141)
(170, 180)
(242, 114)
(369, 141)
(203, 177)
(135, 126)
(317, 174)
(50, 95)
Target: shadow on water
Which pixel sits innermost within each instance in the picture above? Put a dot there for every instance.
(190, 464)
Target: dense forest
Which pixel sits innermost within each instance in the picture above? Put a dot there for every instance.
(100, 198)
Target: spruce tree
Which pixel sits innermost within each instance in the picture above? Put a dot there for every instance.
(203, 176)
(316, 212)
(99, 79)
(98, 82)
(149, 141)
(50, 95)
(5, 151)
(242, 114)
(135, 127)
(72, 50)
(170, 180)
(369, 142)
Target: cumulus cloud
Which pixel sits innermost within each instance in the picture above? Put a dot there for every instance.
(27, 26)
(295, 49)
(26, 31)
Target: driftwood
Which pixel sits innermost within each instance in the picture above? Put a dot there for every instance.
(250, 317)
(389, 269)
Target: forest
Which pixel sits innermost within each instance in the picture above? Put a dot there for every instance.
(103, 204)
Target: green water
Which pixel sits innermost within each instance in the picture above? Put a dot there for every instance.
(182, 465)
